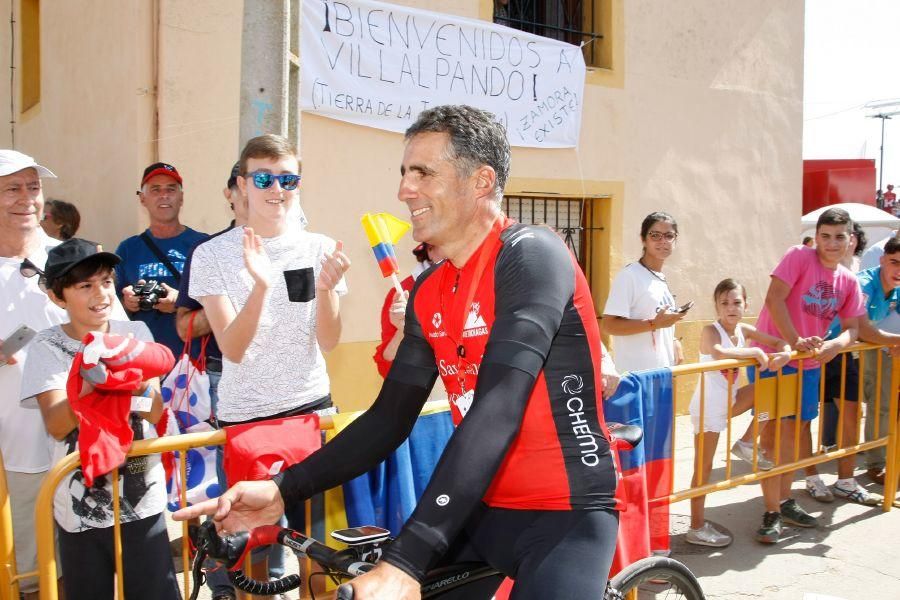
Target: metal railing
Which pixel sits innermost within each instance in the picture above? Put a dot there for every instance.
(889, 441)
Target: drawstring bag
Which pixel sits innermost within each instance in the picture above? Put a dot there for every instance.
(188, 409)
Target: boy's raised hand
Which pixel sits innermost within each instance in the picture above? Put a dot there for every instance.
(255, 258)
(334, 266)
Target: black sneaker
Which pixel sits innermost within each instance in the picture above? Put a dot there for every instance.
(771, 528)
(792, 513)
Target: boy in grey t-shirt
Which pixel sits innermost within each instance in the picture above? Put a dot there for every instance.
(79, 278)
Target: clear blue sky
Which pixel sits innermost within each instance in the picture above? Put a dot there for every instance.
(852, 57)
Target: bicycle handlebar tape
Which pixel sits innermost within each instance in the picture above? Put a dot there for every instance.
(264, 588)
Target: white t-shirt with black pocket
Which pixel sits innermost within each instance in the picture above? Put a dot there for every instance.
(283, 367)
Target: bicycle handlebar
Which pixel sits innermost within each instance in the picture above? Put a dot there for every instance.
(231, 550)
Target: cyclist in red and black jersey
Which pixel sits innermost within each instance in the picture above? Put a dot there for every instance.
(526, 482)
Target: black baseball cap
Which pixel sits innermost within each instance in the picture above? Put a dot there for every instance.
(63, 258)
(161, 168)
(235, 172)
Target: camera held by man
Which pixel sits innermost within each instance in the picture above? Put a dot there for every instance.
(149, 293)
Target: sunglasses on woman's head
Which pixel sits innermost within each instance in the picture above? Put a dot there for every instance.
(263, 180)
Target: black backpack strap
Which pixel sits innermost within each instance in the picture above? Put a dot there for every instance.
(162, 257)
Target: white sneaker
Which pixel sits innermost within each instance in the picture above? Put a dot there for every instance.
(744, 451)
(818, 490)
(858, 494)
(707, 536)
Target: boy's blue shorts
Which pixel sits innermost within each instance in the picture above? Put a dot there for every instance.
(809, 404)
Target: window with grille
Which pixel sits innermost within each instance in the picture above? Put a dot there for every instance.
(572, 21)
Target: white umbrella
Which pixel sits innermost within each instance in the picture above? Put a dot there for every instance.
(864, 214)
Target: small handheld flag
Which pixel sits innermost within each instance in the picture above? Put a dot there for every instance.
(383, 230)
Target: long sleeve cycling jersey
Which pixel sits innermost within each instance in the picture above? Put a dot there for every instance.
(514, 337)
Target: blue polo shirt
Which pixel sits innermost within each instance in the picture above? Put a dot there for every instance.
(878, 306)
(139, 262)
(883, 311)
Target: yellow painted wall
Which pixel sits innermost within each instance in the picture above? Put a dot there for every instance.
(700, 115)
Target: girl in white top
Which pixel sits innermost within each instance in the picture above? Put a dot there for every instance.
(724, 338)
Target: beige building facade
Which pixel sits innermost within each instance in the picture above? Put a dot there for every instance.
(697, 111)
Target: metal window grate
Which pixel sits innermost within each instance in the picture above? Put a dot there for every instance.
(563, 215)
(570, 21)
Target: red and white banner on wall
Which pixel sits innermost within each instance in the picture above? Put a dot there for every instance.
(380, 65)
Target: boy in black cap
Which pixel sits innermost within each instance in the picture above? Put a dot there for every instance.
(79, 278)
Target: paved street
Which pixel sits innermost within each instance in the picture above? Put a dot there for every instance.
(854, 553)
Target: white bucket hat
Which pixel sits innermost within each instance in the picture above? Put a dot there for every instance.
(12, 161)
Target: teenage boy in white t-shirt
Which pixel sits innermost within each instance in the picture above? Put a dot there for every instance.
(79, 279)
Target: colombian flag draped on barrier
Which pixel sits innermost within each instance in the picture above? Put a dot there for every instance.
(644, 398)
(383, 230)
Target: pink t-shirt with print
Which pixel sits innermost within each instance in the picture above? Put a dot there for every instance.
(818, 295)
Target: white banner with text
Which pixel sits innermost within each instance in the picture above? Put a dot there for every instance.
(380, 65)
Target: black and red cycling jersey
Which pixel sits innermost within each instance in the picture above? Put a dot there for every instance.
(514, 336)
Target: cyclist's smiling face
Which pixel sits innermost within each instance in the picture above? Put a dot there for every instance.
(441, 200)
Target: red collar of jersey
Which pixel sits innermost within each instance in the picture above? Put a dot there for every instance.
(454, 316)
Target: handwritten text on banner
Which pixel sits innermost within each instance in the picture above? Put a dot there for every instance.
(380, 65)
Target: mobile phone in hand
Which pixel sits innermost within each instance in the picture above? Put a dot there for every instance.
(686, 307)
(17, 340)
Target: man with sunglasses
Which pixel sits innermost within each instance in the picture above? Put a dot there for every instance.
(23, 440)
(158, 254)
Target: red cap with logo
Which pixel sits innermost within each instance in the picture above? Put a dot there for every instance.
(160, 168)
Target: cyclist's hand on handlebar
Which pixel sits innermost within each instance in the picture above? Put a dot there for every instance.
(246, 505)
(386, 582)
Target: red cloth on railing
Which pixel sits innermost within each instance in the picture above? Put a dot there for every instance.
(114, 366)
(259, 450)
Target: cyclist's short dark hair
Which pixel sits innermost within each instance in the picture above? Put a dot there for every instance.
(476, 139)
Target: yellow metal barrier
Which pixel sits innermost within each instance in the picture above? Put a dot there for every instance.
(890, 441)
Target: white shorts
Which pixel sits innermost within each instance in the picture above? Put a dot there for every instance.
(715, 419)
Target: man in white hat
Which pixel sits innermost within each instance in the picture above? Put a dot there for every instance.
(23, 440)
